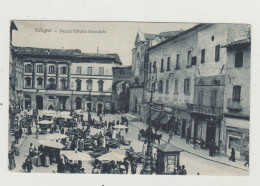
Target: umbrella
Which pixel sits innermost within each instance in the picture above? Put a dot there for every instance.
(56, 136)
(72, 155)
(52, 144)
(112, 156)
(120, 127)
(45, 122)
(66, 117)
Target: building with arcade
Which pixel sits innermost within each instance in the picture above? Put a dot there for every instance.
(62, 79)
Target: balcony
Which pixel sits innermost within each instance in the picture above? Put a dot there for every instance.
(208, 110)
(233, 105)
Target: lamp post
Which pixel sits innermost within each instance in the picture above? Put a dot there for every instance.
(72, 86)
(151, 87)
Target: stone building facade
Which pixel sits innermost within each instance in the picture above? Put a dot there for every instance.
(121, 89)
(67, 79)
(195, 78)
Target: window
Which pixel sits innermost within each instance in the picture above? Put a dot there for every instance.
(63, 84)
(28, 68)
(162, 65)
(176, 86)
(150, 68)
(239, 60)
(28, 82)
(100, 85)
(89, 71)
(236, 93)
(154, 67)
(187, 86)
(51, 85)
(51, 69)
(78, 84)
(101, 70)
(39, 68)
(189, 58)
(177, 61)
(78, 70)
(63, 70)
(39, 83)
(167, 86)
(168, 64)
(160, 86)
(217, 52)
(213, 98)
(202, 56)
(89, 84)
(200, 100)
(201, 82)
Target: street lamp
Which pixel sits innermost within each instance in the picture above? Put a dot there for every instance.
(72, 86)
(152, 88)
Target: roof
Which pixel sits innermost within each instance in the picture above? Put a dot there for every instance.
(69, 53)
(239, 42)
(150, 36)
(167, 147)
(169, 34)
(177, 36)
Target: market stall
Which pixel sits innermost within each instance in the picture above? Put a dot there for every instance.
(44, 125)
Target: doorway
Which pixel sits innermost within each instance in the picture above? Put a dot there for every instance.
(100, 108)
(183, 129)
(39, 102)
(78, 103)
(211, 131)
(27, 102)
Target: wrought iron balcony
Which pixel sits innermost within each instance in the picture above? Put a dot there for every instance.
(202, 109)
(233, 105)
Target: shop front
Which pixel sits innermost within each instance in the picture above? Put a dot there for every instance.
(237, 136)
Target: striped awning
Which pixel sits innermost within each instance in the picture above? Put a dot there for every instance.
(155, 114)
(165, 120)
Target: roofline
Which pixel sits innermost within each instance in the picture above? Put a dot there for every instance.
(177, 36)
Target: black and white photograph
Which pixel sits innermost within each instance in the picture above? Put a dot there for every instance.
(138, 98)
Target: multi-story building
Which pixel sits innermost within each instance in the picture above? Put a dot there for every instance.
(15, 81)
(174, 63)
(237, 96)
(202, 78)
(121, 89)
(67, 79)
(140, 59)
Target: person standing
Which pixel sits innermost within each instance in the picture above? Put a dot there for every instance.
(16, 136)
(28, 164)
(12, 164)
(20, 132)
(183, 170)
(247, 159)
(126, 164)
(31, 150)
(232, 157)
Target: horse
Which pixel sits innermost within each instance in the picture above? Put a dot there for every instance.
(157, 137)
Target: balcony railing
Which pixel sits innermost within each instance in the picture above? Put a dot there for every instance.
(205, 109)
(233, 105)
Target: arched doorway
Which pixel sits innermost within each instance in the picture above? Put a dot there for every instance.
(39, 102)
(27, 102)
(78, 103)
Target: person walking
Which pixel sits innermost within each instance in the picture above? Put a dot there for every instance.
(232, 157)
(37, 133)
(247, 159)
(28, 164)
(126, 164)
(12, 164)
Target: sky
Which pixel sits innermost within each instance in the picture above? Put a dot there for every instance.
(113, 37)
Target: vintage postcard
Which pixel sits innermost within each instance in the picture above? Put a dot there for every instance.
(129, 98)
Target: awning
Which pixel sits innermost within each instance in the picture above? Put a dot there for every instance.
(155, 115)
(166, 119)
(237, 123)
(161, 116)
